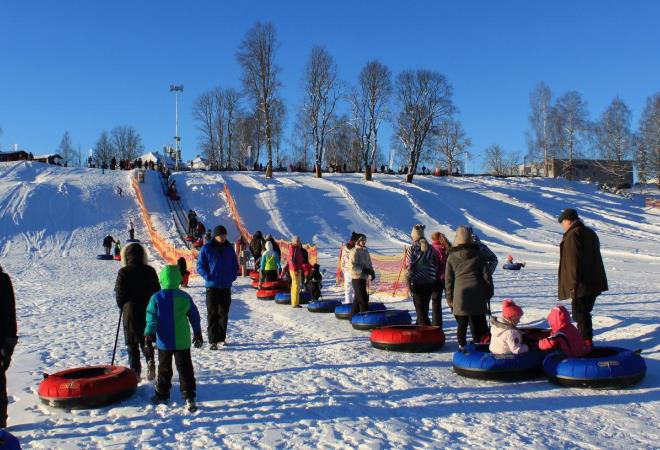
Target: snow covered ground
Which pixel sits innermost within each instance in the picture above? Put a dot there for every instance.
(292, 379)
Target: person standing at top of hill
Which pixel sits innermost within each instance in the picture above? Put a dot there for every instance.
(8, 339)
(257, 245)
(421, 273)
(218, 265)
(136, 283)
(361, 268)
(491, 259)
(131, 230)
(295, 261)
(581, 275)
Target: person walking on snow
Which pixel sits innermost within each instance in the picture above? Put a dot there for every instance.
(582, 275)
(8, 339)
(441, 245)
(168, 316)
(346, 268)
(185, 273)
(361, 268)
(131, 230)
(421, 273)
(136, 283)
(295, 261)
(218, 265)
(117, 248)
(257, 246)
(107, 244)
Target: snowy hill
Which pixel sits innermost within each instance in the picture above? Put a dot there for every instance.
(298, 380)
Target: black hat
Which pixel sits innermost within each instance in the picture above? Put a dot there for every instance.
(219, 231)
(568, 214)
(354, 236)
(360, 237)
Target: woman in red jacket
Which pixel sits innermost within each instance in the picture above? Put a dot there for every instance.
(295, 261)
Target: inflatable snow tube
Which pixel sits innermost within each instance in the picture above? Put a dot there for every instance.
(267, 294)
(478, 362)
(345, 310)
(602, 368)
(277, 284)
(8, 441)
(284, 298)
(376, 319)
(117, 257)
(408, 338)
(87, 387)
(199, 243)
(254, 275)
(132, 241)
(105, 257)
(323, 306)
(514, 266)
(190, 238)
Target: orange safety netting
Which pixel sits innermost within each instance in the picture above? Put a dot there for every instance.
(312, 251)
(389, 274)
(167, 250)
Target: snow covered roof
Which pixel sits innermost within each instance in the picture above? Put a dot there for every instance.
(165, 160)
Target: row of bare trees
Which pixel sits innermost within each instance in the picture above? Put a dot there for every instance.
(121, 143)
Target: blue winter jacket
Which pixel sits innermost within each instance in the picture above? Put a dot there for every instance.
(217, 264)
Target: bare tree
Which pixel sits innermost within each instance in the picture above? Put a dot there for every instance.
(649, 136)
(495, 160)
(423, 100)
(256, 56)
(204, 110)
(573, 124)
(343, 147)
(232, 101)
(369, 104)
(246, 137)
(301, 140)
(614, 138)
(278, 117)
(452, 142)
(323, 90)
(66, 150)
(103, 151)
(126, 142)
(539, 101)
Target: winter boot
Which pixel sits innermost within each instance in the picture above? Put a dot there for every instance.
(213, 347)
(151, 370)
(158, 399)
(190, 405)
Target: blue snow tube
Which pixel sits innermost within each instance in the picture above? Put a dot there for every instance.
(602, 368)
(345, 310)
(323, 306)
(476, 361)
(8, 441)
(105, 257)
(376, 319)
(132, 241)
(284, 298)
(514, 266)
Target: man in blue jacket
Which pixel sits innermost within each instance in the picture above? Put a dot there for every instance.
(218, 265)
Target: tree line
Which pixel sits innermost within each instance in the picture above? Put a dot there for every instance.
(123, 143)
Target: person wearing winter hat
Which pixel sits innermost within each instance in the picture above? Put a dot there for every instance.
(441, 245)
(346, 268)
(565, 336)
(421, 273)
(295, 261)
(505, 337)
(361, 268)
(218, 265)
(582, 275)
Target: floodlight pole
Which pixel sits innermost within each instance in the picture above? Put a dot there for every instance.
(176, 89)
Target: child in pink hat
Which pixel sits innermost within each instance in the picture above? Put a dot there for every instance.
(505, 337)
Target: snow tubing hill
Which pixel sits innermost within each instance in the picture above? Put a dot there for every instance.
(88, 387)
(345, 310)
(267, 294)
(515, 266)
(284, 298)
(478, 362)
(602, 368)
(376, 319)
(323, 306)
(105, 257)
(408, 338)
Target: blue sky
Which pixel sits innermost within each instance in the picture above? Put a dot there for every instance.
(85, 66)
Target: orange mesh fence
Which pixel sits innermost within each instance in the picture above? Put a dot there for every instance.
(390, 276)
(163, 246)
(652, 202)
(312, 251)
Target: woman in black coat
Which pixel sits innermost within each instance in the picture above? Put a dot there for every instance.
(136, 283)
(8, 338)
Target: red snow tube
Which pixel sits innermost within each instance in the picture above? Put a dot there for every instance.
(408, 338)
(117, 257)
(87, 387)
(277, 284)
(254, 275)
(198, 243)
(267, 294)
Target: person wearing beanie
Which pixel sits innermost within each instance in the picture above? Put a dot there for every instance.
(257, 247)
(441, 246)
(421, 273)
(346, 268)
(505, 337)
(361, 268)
(294, 262)
(218, 265)
(582, 275)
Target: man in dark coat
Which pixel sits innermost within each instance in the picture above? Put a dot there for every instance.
(218, 265)
(8, 339)
(107, 244)
(257, 246)
(136, 283)
(581, 271)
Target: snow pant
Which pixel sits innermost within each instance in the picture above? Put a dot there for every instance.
(185, 369)
(478, 328)
(131, 233)
(348, 288)
(218, 301)
(421, 295)
(3, 398)
(314, 289)
(296, 278)
(107, 250)
(133, 349)
(581, 311)
(267, 275)
(436, 303)
(361, 297)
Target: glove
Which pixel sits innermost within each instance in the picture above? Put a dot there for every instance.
(149, 339)
(198, 341)
(450, 303)
(372, 274)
